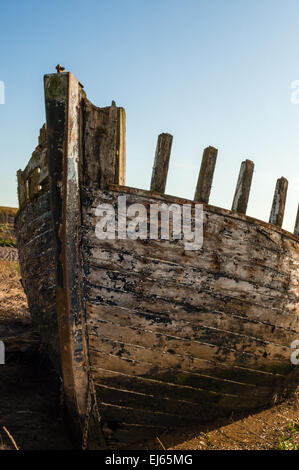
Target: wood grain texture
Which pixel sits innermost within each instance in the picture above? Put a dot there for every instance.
(206, 174)
(35, 241)
(210, 326)
(241, 196)
(152, 335)
(279, 201)
(161, 163)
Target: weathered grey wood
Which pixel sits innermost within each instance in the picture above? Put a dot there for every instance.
(34, 178)
(161, 163)
(188, 327)
(296, 229)
(279, 201)
(42, 139)
(157, 334)
(36, 254)
(22, 190)
(63, 98)
(103, 159)
(241, 197)
(205, 177)
(120, 166)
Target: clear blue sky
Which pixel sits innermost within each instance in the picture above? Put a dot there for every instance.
(210, 72)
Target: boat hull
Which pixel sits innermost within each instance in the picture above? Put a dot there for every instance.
(174, 336)
(146, 334)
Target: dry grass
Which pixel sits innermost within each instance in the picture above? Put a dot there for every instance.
(13, 302)
(30, 415)
(8, 211)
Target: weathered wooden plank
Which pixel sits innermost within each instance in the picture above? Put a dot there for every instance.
(217, 371)
(171, 290)
(133, 399)
(209, 341)
(278, 359)
(205, 177)
(203, 302)
(170, 317)
(221, 232)
(241, 196)
(33, 181)
(160, 271)
(226, 262)
(93, 198)
(143, 364)
(161, 163)
(120, 169)
(111, 375)
(178, 369)
(35, 209)
(22, 189)
(37, 227)
(144, 417)
(279, 200)
(103, 159)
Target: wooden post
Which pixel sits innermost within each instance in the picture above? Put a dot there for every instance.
(241, 197)
(22, 189)
(160, 169)
(296, 230)
(205, 177)
(279, 201)
(120, 166)
(103, 145)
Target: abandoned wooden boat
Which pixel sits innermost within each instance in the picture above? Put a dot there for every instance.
(148, 335)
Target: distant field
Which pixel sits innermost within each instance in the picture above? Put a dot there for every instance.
(10, 211)
(7, 234)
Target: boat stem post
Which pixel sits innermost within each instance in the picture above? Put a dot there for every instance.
(279, 201)
(296, 229)
(63, 98)
(242, 192)
(205, 177)
(160, 169)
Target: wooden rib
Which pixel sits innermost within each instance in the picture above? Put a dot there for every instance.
(205, 177)
(241, 196)
(160, 169)
(279, 201)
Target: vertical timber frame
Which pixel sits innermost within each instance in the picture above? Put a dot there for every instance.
(206, 174)
(63, 95)
(161, 163)
(241, 196)
(279, 202)
(120, 167)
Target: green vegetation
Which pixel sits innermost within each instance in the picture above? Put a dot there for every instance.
(208, 439)
(8, 242)
(290, 442)
(7, 237)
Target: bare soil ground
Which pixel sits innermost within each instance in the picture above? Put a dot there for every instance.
(30, 396)
(29, 390)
